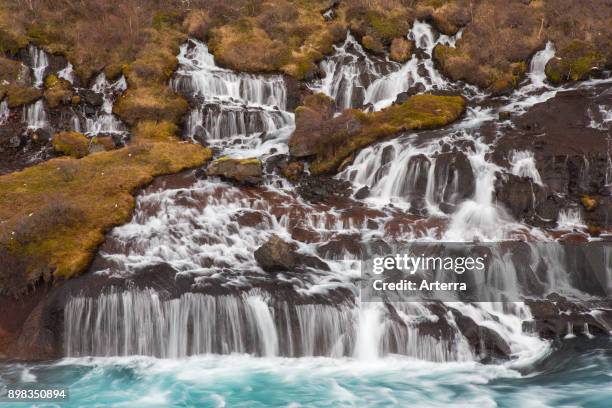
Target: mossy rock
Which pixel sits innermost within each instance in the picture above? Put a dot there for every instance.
(574, 63)
(22, 95)
(155, 131)
(372, 44)
(156, 104)
(73, 144)
(57, 91)
(346, 134)
(401, 50)
(245, 171)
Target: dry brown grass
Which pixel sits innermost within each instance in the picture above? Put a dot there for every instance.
(55, 214)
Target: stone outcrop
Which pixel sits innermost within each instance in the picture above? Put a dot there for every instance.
(247, 171)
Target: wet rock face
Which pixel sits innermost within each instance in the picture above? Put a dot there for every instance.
(483, 341)
(454, 179)
(570, 155)
(557, 317)
(323, 188)
(277, 255)
(245, 171)
(517, 195)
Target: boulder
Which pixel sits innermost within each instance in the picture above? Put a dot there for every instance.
(91, 98)
(276, 255)
(401, 49)
(310, 120)
(246, 171)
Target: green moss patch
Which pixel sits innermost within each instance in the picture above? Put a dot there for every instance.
(73, 144)
(344, 135)
(55, 214)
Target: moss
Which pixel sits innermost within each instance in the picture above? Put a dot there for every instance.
(401, 50)
(57, 91)
(244, 162)
(589, 203)
(157, 131)
(389, 26)
(22, 95)
(12, 36)
(97, 187)
(418, 112)
(372, 44)
(156, 103)
(574, 63)
(73, 144)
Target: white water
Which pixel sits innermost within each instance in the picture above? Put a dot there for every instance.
(39, 63)
(196, 230)
(355, 79)
(35, 115)
(105, 122)
(523, 165)
(538, 65)
(232, 108)
(67, 73)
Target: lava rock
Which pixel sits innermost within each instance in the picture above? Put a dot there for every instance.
(246, 171)
(91, 98)
(276, 255)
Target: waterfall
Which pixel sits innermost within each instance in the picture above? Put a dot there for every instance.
(355, 79)
(67, 73)
(35, 116)
(230, 107)
(120, 323)
(538, 64)
(523, 164)
(39, 63)
(104, 121)
(4, 111)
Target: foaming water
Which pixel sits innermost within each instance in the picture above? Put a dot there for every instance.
(236, 110)
(67, 73)
(565, 378)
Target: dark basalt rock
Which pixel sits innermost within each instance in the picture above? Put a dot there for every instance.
(277, 255)
(482, 340)
(323, 188)
(403, 96)
(454, 178)
(555, 316)
(91, 98)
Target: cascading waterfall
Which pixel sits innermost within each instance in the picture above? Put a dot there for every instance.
(39, 63)
(355, 79)
(141, 322)
(229, 105)
(197, 229)
(105, 122)
(538, 64)
(35, 115)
